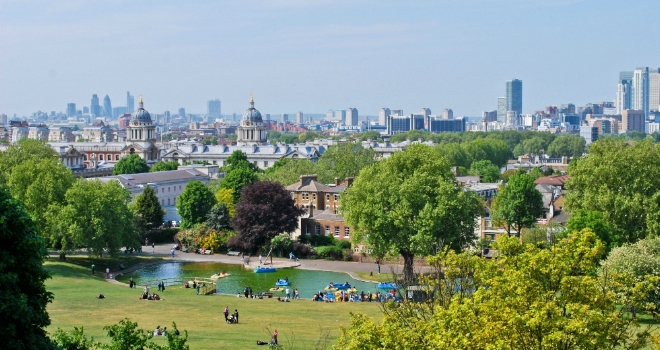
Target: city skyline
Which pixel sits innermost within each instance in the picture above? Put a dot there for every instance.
(313, 57)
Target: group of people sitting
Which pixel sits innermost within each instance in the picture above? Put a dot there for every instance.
(163, 331)
(286, 299)
(147, 296)
(332, 285)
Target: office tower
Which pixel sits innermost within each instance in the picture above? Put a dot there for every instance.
(489, 116)
(130, 102)
(299, 118)
(267, 116)
(437, 124)
(622, 97)
(3, 119)
(213, 109)
(382, 116)
(351, 116)
(501, 110)
(633, 120)
(284, 118)
(70, 109)
(182, 113)
(85, 110)
(447, 114)
(398, 112)
(514, 96)
(640, 90)
(654, 89)
(589, 133)
(167, 116)
(107, 107)
(95, 107)
(341, 115)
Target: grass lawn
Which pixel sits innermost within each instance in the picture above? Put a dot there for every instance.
(382, 277)
(75, 304)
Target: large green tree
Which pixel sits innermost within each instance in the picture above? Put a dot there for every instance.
(287, 171)
(239, 172)
(164, 166)
(21, 151)
(622, 182)
(488, 171)
(518, 204)
(194, 203)
(456, 154)
(567, 146)
(147, 209)
(344, 159)
(218, 217)
(23, 295)
(409, 204)
(95, 215)
(132, 164)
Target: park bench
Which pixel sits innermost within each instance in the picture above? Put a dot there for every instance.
(234, 253)
(184, 250)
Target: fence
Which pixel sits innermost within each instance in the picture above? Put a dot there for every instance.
(207, 285)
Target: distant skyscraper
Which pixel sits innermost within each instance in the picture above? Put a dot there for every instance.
(284, 118)
(640, 90)
(299, 118)
(501, 110)
(514, 91)
(167, 116)
(85, 110)
(130, 102)
(182, 113)
(654, 90)
(447, 114)
(397, 112)
(624, 92)
(351, 116)
(70, 109)
(213, 109)
(632, 120)
(95, 107)
(107, 107)
(382, 116)
(341, 115)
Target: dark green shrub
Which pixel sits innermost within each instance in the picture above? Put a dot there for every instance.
(330, 252)
(343, 244)
(317, 240)
(161, 236)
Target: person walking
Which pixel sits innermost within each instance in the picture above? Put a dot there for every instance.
(288, 293)
(260, 259)
(107, 272)
(226, 313)
(172, 252)
(275, 338)
(197, 289)
(236, 315)
(159, 286)
(163, 286)
(93, 268)
(153, 247)
(242, 256)
(246, 291)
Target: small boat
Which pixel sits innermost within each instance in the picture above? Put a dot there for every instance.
(262, 269)
(387, 285)
(282, 283)
(277, 289)
(338, 286)
(221, 275)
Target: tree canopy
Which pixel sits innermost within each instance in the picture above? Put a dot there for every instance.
(240, 172)
(409, 204)
(147, 209)
(622, 182)
(132, 164)
(23, 295)
(164, 166)
(226, 197)
(194, 203)
(488, 171)
(287, 171)
(95, 215)
(518, 204)
(218, 218)
(345, 159)
(21, 151)
(266, 209)
(568, 146)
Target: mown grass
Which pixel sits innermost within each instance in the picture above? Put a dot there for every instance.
(382, 277)
(74, 289)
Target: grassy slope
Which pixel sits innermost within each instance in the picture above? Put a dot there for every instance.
(75, 305)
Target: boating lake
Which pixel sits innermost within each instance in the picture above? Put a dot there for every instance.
(308, 282)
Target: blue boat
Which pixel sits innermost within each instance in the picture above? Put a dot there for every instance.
(387, 285)
(262, 269)
(281, 283)
(338, 286)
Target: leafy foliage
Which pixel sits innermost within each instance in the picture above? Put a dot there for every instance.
(147, 208)
(409, 204)
(488, 171)
(194, 203)
(526, 298)
(132, 164)
(266, 210)
(74, 340)
(22, 151)
(344, 160)
(287, 171)
(218, 217)
(240, 172)
(164, 166)
(518, 204)
(226, 197)
(567, 145)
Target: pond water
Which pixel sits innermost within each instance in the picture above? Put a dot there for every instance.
(308, 282)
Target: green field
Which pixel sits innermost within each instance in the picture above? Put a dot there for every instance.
(300, 321)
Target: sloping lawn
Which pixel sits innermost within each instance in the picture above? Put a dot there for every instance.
(300, 321)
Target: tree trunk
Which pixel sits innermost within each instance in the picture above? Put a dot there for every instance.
(408, 272)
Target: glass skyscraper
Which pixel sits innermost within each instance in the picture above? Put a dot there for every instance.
(514, 96)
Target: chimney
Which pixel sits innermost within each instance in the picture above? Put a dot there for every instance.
(337, 181)
(310, 210)
(349, 181)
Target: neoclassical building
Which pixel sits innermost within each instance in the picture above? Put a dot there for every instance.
(252, 130)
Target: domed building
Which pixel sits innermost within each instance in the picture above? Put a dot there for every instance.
(141, 135)
(251, 131)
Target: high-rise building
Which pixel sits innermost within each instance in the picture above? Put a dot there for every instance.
(130, 102)
(447, 114)
(107, 107)
(85, 110)
(95, 107)
(589, 133)
(213, 109)
(284, 118)
(654, 90)
(633, 120)
(397, 112)
(71, 110)
(3, 119)
(351, 116)
(167, 117)
(514, 91)
(182, 113)
(341, 115)
(382, 116)
(640, 90)
(299, 118)
(501, 110)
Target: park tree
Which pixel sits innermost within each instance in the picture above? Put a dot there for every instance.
(21, 151)
(595, 221)
(344, 160)
(409, 204)
(266, 209)
(564, 304)
(287, 171)
(369, 135)
(194, 203)
(95, 216)
(164, 166)
(218, 217)
(487, 171)
(456, 154)
(147, 209)
(226, 197)
(240, 172)
(491, 149)
(622, 182)
(23, 295)
(518, 204)
(567, 146)
(132, 164)
(534, 146)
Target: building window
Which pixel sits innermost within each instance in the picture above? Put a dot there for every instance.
(336, 197)
(314, 196)
(116, 157)
(109, 157)
(327, 197)
(305, 196)
(327, 207)
(168, 201)
(265, 164)
(100, 157)
(162, 190)
(317, 229)
(308, 230)
(168, 189)
(347, 232)
(327, 230)
(336, 231)
(293, 196)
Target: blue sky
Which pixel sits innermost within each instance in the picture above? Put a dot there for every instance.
(314, 56)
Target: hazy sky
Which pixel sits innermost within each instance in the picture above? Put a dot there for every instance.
(314, 56)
